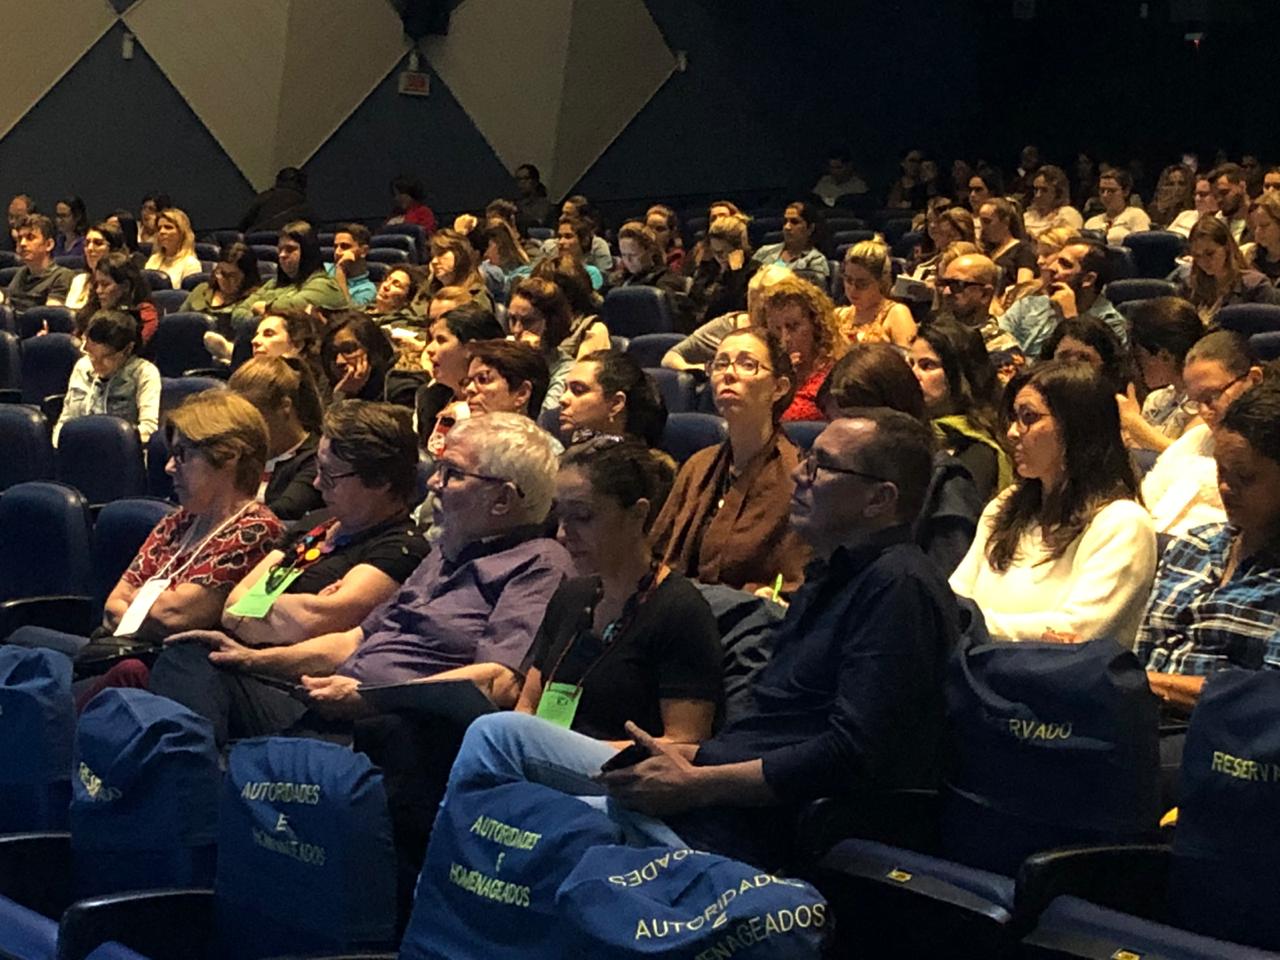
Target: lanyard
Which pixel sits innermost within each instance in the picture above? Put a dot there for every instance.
(645, 589)
(309, 548)
(203, 543)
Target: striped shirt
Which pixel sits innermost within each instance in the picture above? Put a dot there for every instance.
(1196, 624)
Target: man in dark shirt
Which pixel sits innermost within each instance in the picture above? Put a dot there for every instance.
(39, 281)
(851, 701)
(281, 204)
(470, 610)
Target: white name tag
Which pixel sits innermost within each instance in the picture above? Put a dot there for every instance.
(141, 605)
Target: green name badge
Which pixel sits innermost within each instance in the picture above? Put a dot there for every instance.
(258, 601)
(559, 703)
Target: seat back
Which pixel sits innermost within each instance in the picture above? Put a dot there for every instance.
(1266, 346)
(1250, 318)
(1155, 252)
(25, 451)
(1138, 288)
(52, 319)
(178, 343)
(631, 311)
(46, 365)
(173, 390)
(10, 361)
(207, 251)
(265, 252)
(168, 301)
(158, 280)
(1224, 868)
(310, 818)
(37, 717)
(118, 535)
(159, 483)
(378, 271)
(394, 241)
(144, 804)
(687, 433)
(101, 456)
(648, 349)
(387, 255)
(1052, 744)
(678, 389)
(803, 432)
(1120, 264)
(44, 550)
(193, 280)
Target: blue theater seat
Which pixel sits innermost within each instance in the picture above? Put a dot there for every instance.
(25, 451)
(157, 280)
(631, 311)
(178, 343)
(168, 301)
(101, 456)
(648, 349)
(1155, 252)
(678, 389)
(1138, 288)
(46, 366)
(687, 433)
(118, 535)
(44, 558)
(56, 319)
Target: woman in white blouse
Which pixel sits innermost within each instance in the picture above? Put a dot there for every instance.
(1067, 553)
(174, 248)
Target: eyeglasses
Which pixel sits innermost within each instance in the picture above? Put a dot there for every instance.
(446, 471)
(181, 452)
(328, 480)
(746, 366)
(1212, 399)
(1027, 418)
(956, 283)
(810, 466)
(482, 378)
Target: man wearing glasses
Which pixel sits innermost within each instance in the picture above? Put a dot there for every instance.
(966, 288)
(468, 612)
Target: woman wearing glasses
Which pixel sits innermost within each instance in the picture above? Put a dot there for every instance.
(1161, 331)
(1067, 551)
(727, 519)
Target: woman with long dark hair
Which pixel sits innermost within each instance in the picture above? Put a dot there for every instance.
(1068, 552)
(301, 281)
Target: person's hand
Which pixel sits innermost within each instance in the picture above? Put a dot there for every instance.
(1063, 299)
(336, 696)
(344, 260)
(665, 783)
(766, 593)
(259, 308)
(1054, 636)
(355, 376)
(224, 649)
(464, 223)
(1130, 410)
(529, 338)
(736, 259)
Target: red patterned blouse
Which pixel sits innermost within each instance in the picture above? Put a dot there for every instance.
(222, 561)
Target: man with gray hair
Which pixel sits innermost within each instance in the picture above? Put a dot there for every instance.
(469, 612)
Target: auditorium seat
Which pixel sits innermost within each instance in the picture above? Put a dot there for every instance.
(44, 558)
(387, 255)
(413, 230)
(648, 349)
(301, 819)
(57, 319)
(224, 238)
(326, 238)
(541, 233)
(906, 244)
(687, 433)
(9, 259)
(1155, 252)
(194, 280)
(266, 252)
(159, 483)
(1137, 288)
(10, 368)
(25, 451)
(678, 389)
(173, 390)
(7, 274)
(631, 311)
(118, 534)
(72, 261)
(8, 319)
(262, 238)
(1120, 263)
(157, 280)
(168, 301)
(46, 366)
(377, 271)
(839, 224)
(1266, 346)
(852, 236)
(1250, 318)
(208, 251)
(803, 432)
(101, 456)
(178, 343)
(395, 241)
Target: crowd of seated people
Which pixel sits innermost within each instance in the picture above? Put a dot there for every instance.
(456, 474)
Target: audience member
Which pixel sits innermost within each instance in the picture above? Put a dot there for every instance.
(149, 213)
(284, 393)
(1004, 242)
(850, 703)
(454, 264)
(984, 183)
(1118, 219)
(642, 263)
(235, 278)
(608, 393)
(118, 284)
(98, 241)
(539, 316)
(39, 281)
(446, 353)
(1205, 203)
(1162, 331)
(284, 202)
(1050, 206)
(504, 376)
(664, 223)
(507, 259)
(966, 288)
(702, 250)
(942, 228)
(112, 378)
(1231, 189)
(1076, 277)
(1216, 602)
(803, 319)
(726, 520)
(573, 237)
(800, 247)
(535, 208)
(349, 268)
(720, 280)
(20, 207)
(959, 385)
(300, 283)
(695, 351)
(594, 248)
(1048, 245)
(1022, 189)
(587, 332)
(469, 611)
(174, 247)
(1264, 222)
(358, 358)
(409, 204)
(871, 317)
(909, 191)
(71, 222)
(1173, 196)
(392, 302)
(840, 186)
(1181, 489)
(1219, 275)
(1088, 340)
(1068, 551)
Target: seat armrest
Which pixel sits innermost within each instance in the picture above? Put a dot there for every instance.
(159, 924)
(69, 613)
(900, 818)
(1132, 878)
(35, 870)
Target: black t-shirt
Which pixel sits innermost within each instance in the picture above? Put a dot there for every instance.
(291, 491)
(395, 547)
(1268, 268)
(1020, 255)
(669, 650)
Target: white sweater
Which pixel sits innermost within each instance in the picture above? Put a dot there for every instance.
(1098, 587)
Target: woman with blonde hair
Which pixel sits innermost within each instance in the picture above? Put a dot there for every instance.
(695, 351)
(944, 227)
(174, 247)
(1220, 276)
(702, 249)
(803, 318)
(1051, 203)
(1047, 246)
(454, 264)
(871, 317)
(720, 281)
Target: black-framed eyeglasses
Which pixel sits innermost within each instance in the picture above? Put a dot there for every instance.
(956, 283)
(328, 480)
(446, 471)
(1026, 418)
(746, 366)
(1193, 407)
(810, 467)
(481, 378)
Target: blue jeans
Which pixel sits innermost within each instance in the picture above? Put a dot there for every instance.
(509, 747)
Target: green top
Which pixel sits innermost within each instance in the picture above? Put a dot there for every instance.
(962, 425)
(318, 290)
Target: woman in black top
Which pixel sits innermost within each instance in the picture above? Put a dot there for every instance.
(627, 640)
(285, 394)
(359, 361)
(1005, 242)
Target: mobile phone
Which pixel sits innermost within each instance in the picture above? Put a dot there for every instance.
(627, 757)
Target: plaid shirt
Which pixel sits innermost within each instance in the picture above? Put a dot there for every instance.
(1196, 624)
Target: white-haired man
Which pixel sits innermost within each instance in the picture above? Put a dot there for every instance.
(470, 611)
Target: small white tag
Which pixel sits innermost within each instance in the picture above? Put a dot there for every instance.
(140, 606)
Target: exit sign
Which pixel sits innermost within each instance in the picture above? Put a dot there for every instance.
(415, 84)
